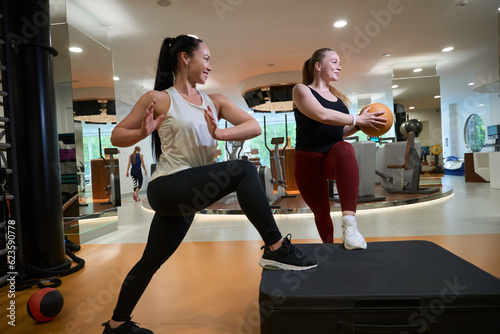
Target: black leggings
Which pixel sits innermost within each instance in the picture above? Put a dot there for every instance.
(175, 199)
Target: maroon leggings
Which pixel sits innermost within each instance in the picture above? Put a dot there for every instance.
(312, 172)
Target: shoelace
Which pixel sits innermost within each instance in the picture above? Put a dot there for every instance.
(129, 324)
(290, 247)
(350, 230)
(133, 326)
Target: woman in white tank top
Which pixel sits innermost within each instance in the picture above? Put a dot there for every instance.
(184, 126)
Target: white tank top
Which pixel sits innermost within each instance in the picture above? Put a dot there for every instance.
(185, 140)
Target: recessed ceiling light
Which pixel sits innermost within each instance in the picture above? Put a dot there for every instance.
(163, 3)
(116, 78)
(340, 24)
(417, 70)
(411, 107)
(75, 49)
(481, 105)
(448, 49)
(437, 96)
(394, 86)
(388, 54)
(471, 84)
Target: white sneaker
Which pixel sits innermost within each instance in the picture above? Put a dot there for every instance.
(351, 238)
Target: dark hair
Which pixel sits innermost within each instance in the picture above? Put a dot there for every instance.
(308, 72)
(134, 155)
(167, 64)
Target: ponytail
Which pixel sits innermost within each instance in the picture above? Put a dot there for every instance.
(308, 73)
(307, 77)
(165, 72)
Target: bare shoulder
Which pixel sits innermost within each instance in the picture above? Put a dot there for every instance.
(219, 101)
(158, 95)
(300, 88)
(162, 100)
(217, 98)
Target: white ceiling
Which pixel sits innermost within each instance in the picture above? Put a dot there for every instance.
(250, 38)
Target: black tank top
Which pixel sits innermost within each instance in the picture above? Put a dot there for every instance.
(314, 136)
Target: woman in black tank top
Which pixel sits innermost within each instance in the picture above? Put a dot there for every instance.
(323, 119)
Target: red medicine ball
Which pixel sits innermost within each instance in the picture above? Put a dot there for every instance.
(45, 304)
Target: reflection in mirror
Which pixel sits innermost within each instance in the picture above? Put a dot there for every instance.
(64, 111)
(417, 93)
(474, 133)
(85, 103)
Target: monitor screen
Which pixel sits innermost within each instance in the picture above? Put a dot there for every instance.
(493, 131)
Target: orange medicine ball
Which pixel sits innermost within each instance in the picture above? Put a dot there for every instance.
(387, 115)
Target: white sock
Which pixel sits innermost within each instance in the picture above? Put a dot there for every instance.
(349, 220)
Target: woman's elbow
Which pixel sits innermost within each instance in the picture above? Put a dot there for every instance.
(258, 130)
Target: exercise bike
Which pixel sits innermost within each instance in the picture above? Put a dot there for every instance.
(275, 177)
(113, 187)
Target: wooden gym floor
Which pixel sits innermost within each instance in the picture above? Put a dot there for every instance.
(206, 287)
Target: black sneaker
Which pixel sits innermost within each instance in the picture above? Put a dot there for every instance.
(128, 327)
(287, 257)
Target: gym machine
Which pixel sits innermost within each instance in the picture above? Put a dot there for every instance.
(274, 176)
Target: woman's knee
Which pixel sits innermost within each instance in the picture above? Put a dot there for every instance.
(243, 167)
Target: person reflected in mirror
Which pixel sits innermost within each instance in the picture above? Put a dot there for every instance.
(136, 159)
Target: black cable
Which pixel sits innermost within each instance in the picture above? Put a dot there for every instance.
(31, 276)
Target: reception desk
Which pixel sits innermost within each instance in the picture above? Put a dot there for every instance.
(469, 173)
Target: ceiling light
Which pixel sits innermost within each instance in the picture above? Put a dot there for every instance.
(340, 24)
(417, 70)
(448, 49)
(75, 49)
(437, 96)
(394, 86)
(163, 3)
(481, 105)
(388, 54)
(116, 78)
(411, 108)
(471, 84)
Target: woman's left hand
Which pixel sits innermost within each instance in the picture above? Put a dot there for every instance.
(212, 124)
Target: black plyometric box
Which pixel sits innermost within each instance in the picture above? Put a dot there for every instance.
(391, 287)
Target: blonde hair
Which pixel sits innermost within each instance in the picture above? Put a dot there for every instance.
(308, 73)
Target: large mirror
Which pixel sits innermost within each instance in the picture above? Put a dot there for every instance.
(416, 91)
(86, 116)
